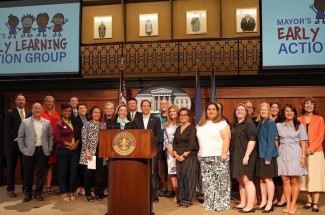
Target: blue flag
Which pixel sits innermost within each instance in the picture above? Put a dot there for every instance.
(198, 97)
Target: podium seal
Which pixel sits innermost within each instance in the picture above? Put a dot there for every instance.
(124, 143)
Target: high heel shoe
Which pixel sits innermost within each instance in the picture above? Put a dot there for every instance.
(315, 209)
(249, 211)
(280, 205)
(261, 208)
(269, 210)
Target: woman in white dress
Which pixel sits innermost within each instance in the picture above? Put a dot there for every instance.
(169, 132)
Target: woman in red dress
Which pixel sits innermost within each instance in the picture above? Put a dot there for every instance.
(50, 114)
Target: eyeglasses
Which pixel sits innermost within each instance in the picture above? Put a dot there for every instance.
(182, 115)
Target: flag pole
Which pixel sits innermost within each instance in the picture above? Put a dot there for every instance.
(213, 82)
(198, 94)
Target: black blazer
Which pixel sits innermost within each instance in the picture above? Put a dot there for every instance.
(116, 125)
(137, 114)
(153, 124)
(13, 121)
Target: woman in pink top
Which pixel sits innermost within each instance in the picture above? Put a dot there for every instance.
(314, 182)
(50, 114)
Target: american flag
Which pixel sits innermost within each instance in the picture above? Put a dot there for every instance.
(122, 97)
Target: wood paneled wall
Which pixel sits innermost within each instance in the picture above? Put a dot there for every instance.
(228, 96)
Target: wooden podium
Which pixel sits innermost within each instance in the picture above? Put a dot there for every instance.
(130, 167)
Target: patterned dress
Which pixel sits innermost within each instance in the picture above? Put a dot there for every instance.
(290, 150)
(169, 133)
(89, 137)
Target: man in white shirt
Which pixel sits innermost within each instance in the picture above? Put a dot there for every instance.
(149, 121)
(35, 140)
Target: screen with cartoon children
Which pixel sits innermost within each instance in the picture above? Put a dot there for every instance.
(293, 33)
(39, 37)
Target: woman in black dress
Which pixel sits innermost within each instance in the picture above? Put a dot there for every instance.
(243, 157)
(186, 147)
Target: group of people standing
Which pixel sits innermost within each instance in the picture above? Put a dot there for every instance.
(254, 149)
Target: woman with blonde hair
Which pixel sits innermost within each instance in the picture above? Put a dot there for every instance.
(169, 132)
(50, 114)
(213, 133)
(266, 166)
(314, 182)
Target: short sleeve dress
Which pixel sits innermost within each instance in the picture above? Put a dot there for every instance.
(241, 134)
(290, 150)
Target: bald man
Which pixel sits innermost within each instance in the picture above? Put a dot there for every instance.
(35, 140)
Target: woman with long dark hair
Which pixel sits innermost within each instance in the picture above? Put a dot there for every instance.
(90, 136)
(291, 138)
(67, 137)
(213, 133)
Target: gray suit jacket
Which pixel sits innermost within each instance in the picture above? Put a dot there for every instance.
(27, 137)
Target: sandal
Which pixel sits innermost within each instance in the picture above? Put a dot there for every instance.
(308, 205)
(315, 209)
(48, 190)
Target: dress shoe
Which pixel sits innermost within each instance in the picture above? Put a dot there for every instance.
(162, 193)
(269, 210)
(155, 199)
(12, 194)
(170, 194)
(38, 197)
(249, 211)
(315, 209)
(27, 198)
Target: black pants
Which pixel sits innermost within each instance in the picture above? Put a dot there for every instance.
(187, 175)
(67, 165)
(39, 161)
(13, 154)
(94, 176)
(162, 167)
(155, 178)
(80, 171)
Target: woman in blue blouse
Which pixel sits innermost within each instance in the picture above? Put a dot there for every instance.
(266, 167)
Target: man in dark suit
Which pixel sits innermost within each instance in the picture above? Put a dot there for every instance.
(13, 119)
(149, 121)
(35, 140)
(133, 107)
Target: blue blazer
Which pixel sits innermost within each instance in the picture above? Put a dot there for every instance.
(266, 140)
(27, 137)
